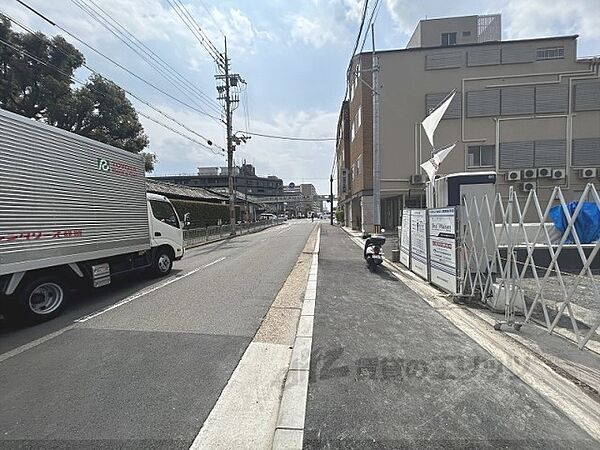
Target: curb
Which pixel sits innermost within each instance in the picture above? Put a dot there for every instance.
(289, 433)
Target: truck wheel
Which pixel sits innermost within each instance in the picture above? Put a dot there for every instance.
(38, 299)
(163, 262)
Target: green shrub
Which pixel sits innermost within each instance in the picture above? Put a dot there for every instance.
(203, 214)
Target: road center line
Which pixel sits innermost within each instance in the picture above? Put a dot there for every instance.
(146, 292)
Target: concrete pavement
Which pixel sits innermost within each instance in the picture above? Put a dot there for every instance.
(146, 371)
(388, 371)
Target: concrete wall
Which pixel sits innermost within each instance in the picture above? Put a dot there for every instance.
(431, 30)
(405, 82)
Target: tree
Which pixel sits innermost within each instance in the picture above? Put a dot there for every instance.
(33, 86)
(40, 86)
(101, 111)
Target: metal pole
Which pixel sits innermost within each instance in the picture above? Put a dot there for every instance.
(229, 144)
(331, 199)
(376, 149)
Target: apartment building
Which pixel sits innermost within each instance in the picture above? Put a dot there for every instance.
(245, 180)
(528, 109)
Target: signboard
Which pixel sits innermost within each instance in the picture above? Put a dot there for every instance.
(442, 249)
(418, 242)
(405, 239)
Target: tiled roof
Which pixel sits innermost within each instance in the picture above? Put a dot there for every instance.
(183, 192)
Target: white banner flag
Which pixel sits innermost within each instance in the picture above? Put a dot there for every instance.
(433, 119)
(431, 167)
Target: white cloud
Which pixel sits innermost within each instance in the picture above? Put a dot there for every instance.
(311, 31)
(292, 160)
(326, 22)
(536, 18)
(403, 14)
(353, 9)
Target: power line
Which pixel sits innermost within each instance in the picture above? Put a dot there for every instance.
(83, 83)
(99, 74)
(161, 62)
(149, 56)
(360, 29)
(374, 14)
(212, 17)
(196, 30)
(289, 138)
(116, 62)
(348, 71)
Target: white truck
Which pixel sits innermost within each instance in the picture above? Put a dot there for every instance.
(73, 211)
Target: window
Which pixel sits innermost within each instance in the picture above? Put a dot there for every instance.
(164, 212)
(466, 33)
(354, 81)
(359, 165)
(359, 117)
(353, 130)
(448, 39)
(550, 53)
(481, 155)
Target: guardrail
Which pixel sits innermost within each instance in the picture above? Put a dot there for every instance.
(195, 236)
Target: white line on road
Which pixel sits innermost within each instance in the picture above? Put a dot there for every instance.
(35, 343)
(148, 291)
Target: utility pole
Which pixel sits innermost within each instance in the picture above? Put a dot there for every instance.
(331, 199)
(376, 150)
(228, 119)
(229, 95)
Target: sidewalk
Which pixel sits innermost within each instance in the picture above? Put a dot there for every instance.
(388, 371)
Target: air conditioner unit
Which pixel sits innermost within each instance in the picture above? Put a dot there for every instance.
(558, 174)
(529, 174)
(544, 172)
(513, 175)
(417, 179)
(529, 186)
(588, 172)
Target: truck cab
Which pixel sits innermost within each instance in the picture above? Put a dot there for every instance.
(166, 228)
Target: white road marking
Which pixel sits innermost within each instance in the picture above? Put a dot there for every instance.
(35, 343)
(146, 292)
(32, 344)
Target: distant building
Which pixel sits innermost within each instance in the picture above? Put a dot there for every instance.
(301, 199)
(527, 109)
(245, 180)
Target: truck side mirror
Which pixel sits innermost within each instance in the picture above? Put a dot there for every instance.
(187, 219)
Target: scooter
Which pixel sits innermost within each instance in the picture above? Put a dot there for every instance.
(373, 253)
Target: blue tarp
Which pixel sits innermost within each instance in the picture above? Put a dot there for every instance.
(587, 224)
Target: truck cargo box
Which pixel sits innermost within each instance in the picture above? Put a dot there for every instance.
(65, 198)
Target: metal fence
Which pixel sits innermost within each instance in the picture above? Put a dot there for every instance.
(515, 259)
(195, 236)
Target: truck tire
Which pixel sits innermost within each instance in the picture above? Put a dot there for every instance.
(163, 262)
(38, 299)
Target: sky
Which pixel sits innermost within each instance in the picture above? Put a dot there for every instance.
(293, 55)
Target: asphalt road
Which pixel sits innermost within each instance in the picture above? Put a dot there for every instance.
(124, 370)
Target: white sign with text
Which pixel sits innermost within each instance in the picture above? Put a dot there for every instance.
(418, 242)
(405, 239)
(442, 249)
